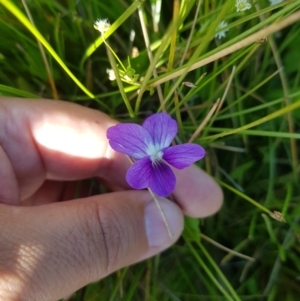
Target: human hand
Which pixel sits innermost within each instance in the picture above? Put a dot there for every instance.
(51, 246)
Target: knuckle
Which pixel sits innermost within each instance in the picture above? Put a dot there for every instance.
(106, 238)
(17, 257)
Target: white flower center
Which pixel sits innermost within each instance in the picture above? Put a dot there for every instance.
(154, 153)
(157, 157)
(102, 25)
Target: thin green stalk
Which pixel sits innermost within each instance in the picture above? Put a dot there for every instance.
(114, 54)
(149, 52)
(250, 110)
(231, 252)
(22, 18)
(272, 172)
(178, 117)
(119, 82)
(176, 14)
(269, 117)
(208, 272)
(114, 292)
(288, 198)
(219, 272)
(228, 85)
(103, 95)
(42, 51)
(205, 121)
(172, 51)
(270, 229)
(131, 290)
(17, 92)
(245, 197)
(277, 265)
(236, 252)
(187, 46)
(58, 43)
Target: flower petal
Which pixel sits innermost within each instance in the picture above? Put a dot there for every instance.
(162, 129)
(183, 155)
(130, 139)
(163, 180)
(158, 177)
(139, 173)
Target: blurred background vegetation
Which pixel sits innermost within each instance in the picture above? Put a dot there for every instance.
(238, 96)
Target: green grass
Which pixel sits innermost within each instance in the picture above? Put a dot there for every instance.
(252, 138)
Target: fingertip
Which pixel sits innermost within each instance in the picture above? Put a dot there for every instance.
(197, 194)
(163, 225)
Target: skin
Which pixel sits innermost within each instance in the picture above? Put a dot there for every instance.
(51, 244)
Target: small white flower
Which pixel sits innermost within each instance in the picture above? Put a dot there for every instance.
(126, 77)
(274, 2)
(102, 25)
(111, 74)
(242, 5)
(221, 33)
(132, 35)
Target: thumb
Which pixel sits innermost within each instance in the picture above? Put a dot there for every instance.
(49, 251)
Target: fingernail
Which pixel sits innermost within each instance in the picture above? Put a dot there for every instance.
(156, 230)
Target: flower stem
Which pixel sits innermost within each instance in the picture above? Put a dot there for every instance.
(114, 54)
(119, 82)
(158, 206)
(161, 212)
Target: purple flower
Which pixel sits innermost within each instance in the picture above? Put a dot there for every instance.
(149, 145)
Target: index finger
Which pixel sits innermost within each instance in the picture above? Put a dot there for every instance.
(46, 139)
